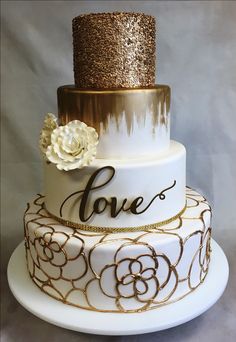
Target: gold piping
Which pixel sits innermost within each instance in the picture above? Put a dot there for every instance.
(42, 247)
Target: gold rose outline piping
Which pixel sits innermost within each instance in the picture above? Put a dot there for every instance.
(37, 256)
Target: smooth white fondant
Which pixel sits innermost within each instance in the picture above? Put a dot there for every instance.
(143, 140)
(93, 270)
(144, 177)
(69, 317)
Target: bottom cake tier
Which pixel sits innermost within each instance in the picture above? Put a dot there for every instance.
(119, 272)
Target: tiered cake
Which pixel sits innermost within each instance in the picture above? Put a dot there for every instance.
(117, 229)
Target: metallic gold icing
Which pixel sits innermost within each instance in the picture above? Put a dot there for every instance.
(114, 50)
(45, 252)
(96, 107)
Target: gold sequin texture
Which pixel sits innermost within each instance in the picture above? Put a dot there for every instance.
(114, 50)
(49, 259)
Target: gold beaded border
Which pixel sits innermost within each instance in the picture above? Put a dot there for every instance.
(97, 229)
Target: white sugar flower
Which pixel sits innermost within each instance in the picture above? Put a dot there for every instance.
(73, 146)
(50, 123)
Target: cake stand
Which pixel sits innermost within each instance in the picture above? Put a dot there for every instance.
(69, 317)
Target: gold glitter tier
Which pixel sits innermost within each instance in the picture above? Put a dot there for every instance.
(114, 50)
(120, 272)
(98, 107)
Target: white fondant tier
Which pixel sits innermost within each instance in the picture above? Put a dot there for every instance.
(142, 191)
(130, 122)
(142, 141)
(119, 272)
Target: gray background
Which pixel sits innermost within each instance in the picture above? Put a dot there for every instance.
(196, 57)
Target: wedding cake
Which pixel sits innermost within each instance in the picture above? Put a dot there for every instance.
(117, 230)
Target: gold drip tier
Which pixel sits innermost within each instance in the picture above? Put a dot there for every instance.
(97, 107)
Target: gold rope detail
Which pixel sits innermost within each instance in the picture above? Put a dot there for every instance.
(97, 229)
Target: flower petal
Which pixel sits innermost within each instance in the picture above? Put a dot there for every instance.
(72, 146)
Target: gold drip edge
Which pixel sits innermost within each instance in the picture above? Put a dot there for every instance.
(97, 229)
(97, 107)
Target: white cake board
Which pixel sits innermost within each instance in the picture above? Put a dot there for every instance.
(69, 317)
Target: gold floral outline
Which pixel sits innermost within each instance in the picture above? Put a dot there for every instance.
(152, 304)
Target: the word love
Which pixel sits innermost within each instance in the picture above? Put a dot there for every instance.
(100, 204)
